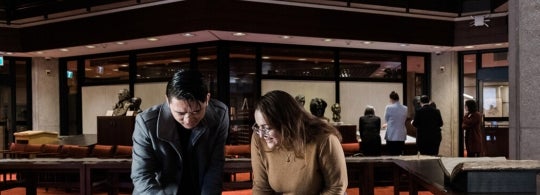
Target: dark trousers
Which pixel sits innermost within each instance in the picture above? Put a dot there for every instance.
(429, 145)
(395, 147)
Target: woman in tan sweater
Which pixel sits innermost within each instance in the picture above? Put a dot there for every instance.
(293, 152)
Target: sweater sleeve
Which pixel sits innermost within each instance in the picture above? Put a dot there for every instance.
(261, 186)
(333, 166)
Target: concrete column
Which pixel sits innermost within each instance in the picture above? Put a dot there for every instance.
(45, 95)
(444, 92)
(524, 79)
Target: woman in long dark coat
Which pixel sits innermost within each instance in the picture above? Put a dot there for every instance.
(473, 133)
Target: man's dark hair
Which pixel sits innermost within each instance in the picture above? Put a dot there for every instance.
(394, 96)
(187, 85)
(424, 99)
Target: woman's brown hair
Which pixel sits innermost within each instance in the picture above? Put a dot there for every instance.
(296, 126)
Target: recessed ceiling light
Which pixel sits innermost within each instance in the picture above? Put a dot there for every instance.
(149, 63)
(64, 49)
(266, 57)
(39, 52)
(9, 53)
(302, 59)
(328, 40)
(469, 47)
(188, 35)
(436, 47)
(90, 46)
(367, 42)
(176, 61)
(205, 58)
(120, 43)
(498, 44)
(115, 69)
(152, 39)
(239, 34)
(285, 37)
(404, 45)
(123, 65)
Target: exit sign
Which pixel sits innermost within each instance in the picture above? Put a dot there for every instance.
(1, 60)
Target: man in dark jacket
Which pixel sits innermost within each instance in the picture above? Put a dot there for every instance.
(178, 146)
(428, 123)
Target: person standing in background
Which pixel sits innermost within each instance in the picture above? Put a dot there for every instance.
(428, 123)
(370, 132)
(473, 134)
(179, 146)
(293, 151)
(396, 132)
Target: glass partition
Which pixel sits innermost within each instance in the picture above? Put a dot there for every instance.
(494, 59)
(297, 62)
(161, 65)
(361, 65)
(469, 77)
(242, 79)
(106, 69)
(207, 64)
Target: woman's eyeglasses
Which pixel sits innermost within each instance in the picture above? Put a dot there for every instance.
(264, 131)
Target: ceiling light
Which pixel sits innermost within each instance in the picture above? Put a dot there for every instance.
(39, 52)
(123, 65)
(367, 42)
(239, 34)
(188, 35)
(120, 43)
(115, 69)
(436, 47)
(285, 37)
(149, 63)
(469, 47)
(90, 46)
(205, 58)
(266, 57)
(498, 44)
(328, 40)
(404, 45)
(152, 39)
(9, 53)
(302, 59)
(176, 61)
(64, 49)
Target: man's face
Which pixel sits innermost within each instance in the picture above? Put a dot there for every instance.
(188, 112)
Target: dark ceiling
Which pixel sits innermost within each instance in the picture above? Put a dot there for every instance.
(15, 11)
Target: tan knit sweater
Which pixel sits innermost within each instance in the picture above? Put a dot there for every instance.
(321, 171)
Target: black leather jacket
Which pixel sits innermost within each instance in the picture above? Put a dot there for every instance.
(157, 159)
